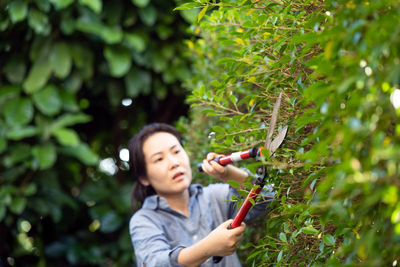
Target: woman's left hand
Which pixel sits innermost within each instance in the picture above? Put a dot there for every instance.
(214, 169)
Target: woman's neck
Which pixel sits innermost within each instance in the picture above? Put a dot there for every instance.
(179, 202)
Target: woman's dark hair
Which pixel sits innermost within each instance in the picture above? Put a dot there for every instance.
(137, 160)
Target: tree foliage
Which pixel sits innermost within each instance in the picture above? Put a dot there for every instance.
(337, 174)
(66, 66)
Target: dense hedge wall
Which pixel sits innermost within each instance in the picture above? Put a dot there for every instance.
(337, 174)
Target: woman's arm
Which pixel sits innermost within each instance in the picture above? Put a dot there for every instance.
(220, 242)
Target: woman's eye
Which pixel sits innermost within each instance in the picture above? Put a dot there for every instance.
(158, 160)
(177, 151)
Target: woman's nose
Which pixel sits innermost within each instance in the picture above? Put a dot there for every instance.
(173, 160)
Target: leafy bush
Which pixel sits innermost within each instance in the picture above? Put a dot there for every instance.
(66, 66)
(337, 174)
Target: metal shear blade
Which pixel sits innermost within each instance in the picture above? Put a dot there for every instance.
(273, 145)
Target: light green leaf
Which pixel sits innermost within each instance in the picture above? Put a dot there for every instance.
(282, 237)
(95, 5)
(141, 3)
(68, 119)
(18, 9)
(66, 137)
(187, 6)
(202, 13)
(61, 60)
(38, 76)
(309, 230)
(48, 100)
(329, 240)
(21, 133)
(119, 60)
(45, 154)
(234, 183)
(111, 35)
(18, 111)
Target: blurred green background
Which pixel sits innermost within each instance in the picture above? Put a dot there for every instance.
(77, 79)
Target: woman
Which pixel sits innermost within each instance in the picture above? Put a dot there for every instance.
(181, 224)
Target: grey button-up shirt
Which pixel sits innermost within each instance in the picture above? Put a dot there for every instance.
(158, 233)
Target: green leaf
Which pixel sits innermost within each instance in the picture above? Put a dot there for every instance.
(148, 15)
(119, 60)
(282, 237)
(30, 189)
(48, 100)
(202, 13)
(81, 152)
(18, 9)
(2, 212)
(234, 183)
(3, 144)
(137, 81)
(15, 69)
(18, 153)
(309, 230)
(187, 6)
(61, 4)
(18, 111)
(45, 154)
(39, 22)
(18, 205)
(66, 137)
(21, 133)
(38, 76)
(135, 41)
(110, 222)
(141, 3)
(329, 240)
(68, 119)
(95, 5)
(61, 60)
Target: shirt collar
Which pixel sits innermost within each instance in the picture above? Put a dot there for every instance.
(157, 202)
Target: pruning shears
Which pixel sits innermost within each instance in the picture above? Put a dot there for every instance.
(261, 174)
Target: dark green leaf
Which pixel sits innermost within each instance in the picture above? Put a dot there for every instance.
(45, 155)
(18, 111)
(119, 60)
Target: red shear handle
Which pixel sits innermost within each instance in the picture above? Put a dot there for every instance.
(245, 207)
(234, 157)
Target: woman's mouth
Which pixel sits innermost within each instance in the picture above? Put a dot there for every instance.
(178, 176)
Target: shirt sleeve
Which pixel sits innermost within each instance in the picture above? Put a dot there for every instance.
(150, 243)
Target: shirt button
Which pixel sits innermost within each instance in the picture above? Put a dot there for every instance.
(195, 237)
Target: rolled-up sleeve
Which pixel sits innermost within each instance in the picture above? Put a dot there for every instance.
(150, 243)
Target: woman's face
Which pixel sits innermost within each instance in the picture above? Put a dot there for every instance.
(167, 165)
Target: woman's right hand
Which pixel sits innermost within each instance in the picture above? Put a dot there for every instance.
(223, 241)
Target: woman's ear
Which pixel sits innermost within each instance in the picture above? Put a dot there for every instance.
(144, 181)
